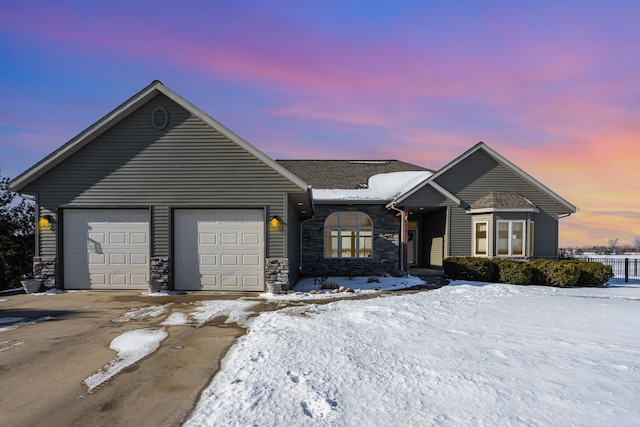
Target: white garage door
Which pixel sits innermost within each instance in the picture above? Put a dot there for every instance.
(106, 248)
(219, 249)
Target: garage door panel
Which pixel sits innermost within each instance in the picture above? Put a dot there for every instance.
(229, 239)
(98, 279)
(138, 238)
(118, 259)
(230, 281)
(250, 281)
(139, 280)
(250, 260)
(106, 249)
(208, 239)
(216, 249)
(250, 239)
(139, 259)
(117, 279)
(207, 259)
(227, 260)
(97, 237)
(117, 238)
(97, 259)
(209, 280)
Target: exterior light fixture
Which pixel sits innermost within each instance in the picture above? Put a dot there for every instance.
(275, 223)
(47, 221)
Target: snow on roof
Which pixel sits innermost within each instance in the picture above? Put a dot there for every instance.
(383, 186)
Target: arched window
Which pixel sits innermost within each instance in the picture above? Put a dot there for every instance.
(348, 235)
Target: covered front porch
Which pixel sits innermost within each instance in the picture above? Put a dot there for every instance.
(424, 239)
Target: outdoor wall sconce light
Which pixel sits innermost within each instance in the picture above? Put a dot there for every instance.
(47, 221)
(275, 223)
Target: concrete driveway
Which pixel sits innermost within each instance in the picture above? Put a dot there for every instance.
(43, 364)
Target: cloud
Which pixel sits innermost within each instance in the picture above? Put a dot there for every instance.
(420, 83)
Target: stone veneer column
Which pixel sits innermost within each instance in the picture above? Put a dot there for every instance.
(159, 274)
(277, 274)
(44, 269)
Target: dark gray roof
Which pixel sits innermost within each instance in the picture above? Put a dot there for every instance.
(502, 199)
(344, 174)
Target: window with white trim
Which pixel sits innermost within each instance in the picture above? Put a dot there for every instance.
(348, 235)
(511, 238)
(481, 230)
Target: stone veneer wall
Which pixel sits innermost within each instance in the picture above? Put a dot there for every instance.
(159, 273)
(44, 269)
(277, 274)
(386, 244)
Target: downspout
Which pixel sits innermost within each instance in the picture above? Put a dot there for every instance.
(402, 234)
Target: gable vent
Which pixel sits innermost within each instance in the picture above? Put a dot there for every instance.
(160, 118)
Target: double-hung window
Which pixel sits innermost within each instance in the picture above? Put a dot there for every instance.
(481, 244)
(511, 238)
(348, 235)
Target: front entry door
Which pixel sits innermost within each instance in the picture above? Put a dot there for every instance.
(412, 246)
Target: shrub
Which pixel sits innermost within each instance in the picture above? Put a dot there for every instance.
(477, 269)
(594, 274)
(562, 273)
(512, 271)
(539, 271)
(373, 279)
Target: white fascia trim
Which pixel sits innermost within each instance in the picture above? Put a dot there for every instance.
(492, 210)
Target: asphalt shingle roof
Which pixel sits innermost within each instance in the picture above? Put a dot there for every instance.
(344, 174)
(502, 199)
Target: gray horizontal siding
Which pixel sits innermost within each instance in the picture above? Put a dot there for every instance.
(187, 164)
(473, 178)
(47, 235)
(479, 174)
(159, 233)
(426, 196)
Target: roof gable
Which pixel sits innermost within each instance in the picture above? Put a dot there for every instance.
(123, 111)
(481, 146)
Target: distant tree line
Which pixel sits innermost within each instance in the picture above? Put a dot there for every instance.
(613, 247)
(17, 236)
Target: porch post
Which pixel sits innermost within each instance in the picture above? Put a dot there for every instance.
(404, 239)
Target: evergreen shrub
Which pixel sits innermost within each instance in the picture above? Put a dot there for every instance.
(512, 271)
(469, 268)
(562, 273)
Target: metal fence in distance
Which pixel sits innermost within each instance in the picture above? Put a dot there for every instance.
(625, 269)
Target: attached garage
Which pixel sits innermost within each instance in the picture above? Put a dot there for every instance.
(106, 248)
(219, 249)
(114, 204)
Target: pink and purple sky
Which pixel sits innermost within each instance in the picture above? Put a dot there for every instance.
(554, 86)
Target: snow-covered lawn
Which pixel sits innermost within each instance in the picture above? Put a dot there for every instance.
(465, 354)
